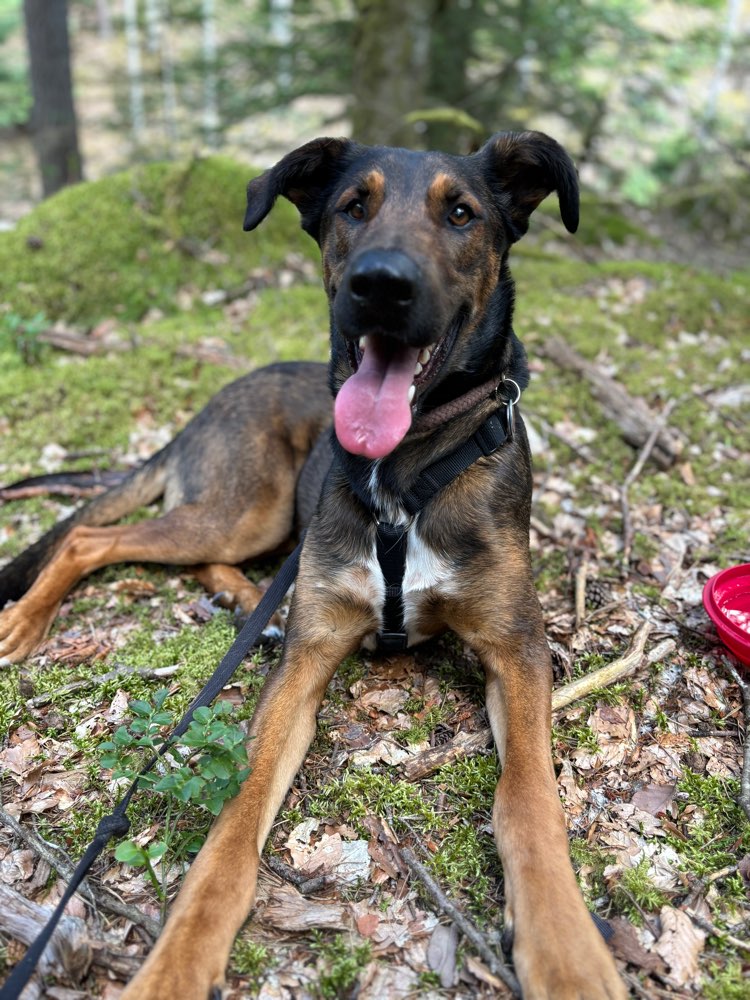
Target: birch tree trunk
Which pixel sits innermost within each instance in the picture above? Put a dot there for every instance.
(135, 69)
(210, 103)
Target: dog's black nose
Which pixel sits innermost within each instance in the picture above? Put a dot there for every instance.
(383, 277)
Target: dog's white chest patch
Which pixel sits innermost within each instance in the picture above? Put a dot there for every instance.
(427, 573)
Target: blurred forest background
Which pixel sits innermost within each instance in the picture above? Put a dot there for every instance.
(652, 98)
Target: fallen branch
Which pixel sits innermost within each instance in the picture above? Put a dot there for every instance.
(70, 951)
(466, 744)
(303, 883)
(630, 413)
(122, 670)
(580, 591)
(496, 966)
(604, 676)
(462, 745)
(714, 931)
(744, 797)
(57, 860)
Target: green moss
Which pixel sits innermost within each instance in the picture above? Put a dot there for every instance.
(594, 860)
(466, 861)
(602, 221)
(362, 791)
(637, 892)
(127, 243)
(729, 983)
(471, 783)
(251, 959)
(719, 831)
(340, 961)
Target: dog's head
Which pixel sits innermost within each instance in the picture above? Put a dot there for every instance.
(414, 249)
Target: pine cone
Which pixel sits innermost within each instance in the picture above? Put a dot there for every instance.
(598, 594)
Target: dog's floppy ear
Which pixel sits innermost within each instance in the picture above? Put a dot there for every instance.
(304, 176)
(525, 167)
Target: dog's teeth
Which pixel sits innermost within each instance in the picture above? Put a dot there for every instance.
(412, 390)
(417, 369)
(361, 343)
(424, 356)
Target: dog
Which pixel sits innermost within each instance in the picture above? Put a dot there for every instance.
(417, 510)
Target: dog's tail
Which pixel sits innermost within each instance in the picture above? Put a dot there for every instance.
(140, 487)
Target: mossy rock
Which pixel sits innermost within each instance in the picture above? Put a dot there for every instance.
(125, 244)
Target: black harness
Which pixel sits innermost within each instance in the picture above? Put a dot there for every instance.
(392, 539)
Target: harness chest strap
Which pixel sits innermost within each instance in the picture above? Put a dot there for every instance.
(391, 539)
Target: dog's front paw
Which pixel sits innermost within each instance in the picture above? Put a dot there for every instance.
(571, 963)
(187, 983)
(22, 629)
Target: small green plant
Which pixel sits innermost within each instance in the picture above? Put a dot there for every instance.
(251, 960)
(636, 892)
(729, 983)
(339, 963)
(23, 335)
(206, 767)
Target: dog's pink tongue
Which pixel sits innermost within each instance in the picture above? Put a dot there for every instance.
(372, 412)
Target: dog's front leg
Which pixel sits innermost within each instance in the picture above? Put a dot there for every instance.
(189, 959)
(557, 950)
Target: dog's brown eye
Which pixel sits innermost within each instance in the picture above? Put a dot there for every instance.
(355, 210)
(461, 216)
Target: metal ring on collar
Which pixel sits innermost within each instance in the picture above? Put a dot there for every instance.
(513, 402)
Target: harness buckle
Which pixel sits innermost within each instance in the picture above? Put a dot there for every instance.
(391, 642)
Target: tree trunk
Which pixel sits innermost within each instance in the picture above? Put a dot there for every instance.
(391, 63)
(450, 49)
(135, 70)
(53, 119)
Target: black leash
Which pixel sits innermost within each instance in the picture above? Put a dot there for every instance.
(116, 823)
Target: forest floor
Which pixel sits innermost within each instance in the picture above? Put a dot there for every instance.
(172, 306)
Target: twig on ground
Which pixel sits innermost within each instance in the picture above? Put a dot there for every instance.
(609, 674)
(467, 744)
(462, 745)
(494, 963)
(57, 859)
(122, 670)
(542, 529)
(744, 797)
(578, 449)
(580, 592)
(627, 526)
(306, 885)
(714, 931)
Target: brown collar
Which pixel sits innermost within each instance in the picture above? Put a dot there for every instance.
(462, 404)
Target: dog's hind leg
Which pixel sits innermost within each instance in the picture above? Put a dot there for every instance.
(188, 535)
(190, 957)
(233, 590)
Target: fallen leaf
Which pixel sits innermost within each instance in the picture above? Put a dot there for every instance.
(390, 700)
(680, 944)
(653, 798)
(441, 954)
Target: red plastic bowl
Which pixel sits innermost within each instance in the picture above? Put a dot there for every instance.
(729, 590)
